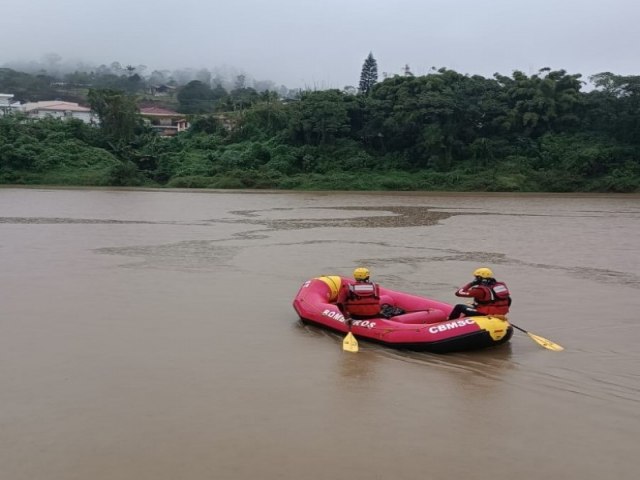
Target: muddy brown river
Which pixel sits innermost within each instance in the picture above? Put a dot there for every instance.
(150, 335)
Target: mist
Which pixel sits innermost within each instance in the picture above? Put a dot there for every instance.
(320, 45)
(53, 65)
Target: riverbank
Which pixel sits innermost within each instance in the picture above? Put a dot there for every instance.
(487, 181)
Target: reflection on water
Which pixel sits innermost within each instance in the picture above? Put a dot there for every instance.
(361, 369)
(150, 334)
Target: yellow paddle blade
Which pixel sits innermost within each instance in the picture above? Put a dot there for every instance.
(350, 344)
(546, 343)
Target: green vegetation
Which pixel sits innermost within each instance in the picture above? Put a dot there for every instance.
(441, 131)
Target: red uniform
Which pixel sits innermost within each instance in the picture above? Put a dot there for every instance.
(489, 298)
(362, 300)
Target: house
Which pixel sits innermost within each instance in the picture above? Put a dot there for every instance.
(59, 109)
(6, 104)
(166, 122)
(162, 90)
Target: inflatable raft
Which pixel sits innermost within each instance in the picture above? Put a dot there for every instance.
(422, 325)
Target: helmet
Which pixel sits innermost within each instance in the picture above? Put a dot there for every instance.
(483, 272)
(361, 274)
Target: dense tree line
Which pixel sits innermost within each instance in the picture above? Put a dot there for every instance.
(441, 131)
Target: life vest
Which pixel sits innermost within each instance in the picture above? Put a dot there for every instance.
(363, 300)
(499, 300)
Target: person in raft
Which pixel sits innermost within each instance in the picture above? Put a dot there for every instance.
(490, 297)
(362, 298)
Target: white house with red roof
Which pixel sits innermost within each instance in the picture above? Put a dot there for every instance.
(166, 122)
(59, 109)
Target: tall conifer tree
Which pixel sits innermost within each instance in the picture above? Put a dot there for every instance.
(369, 75)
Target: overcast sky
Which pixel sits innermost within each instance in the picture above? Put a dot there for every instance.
(323, 43)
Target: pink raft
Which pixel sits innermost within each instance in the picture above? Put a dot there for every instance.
(423, 326)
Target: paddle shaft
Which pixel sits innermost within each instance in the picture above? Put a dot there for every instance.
(349, 343)
(546, 343)
(518, 328)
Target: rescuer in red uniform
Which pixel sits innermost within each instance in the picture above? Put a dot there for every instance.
(490, 297)
(362, 299)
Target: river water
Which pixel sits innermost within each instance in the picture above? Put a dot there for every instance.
(150, 335)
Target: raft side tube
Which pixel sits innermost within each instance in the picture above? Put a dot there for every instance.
(431, 315)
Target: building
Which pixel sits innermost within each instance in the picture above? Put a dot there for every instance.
(7, 105)
(59, 109)
(166, 122)
(162, 90)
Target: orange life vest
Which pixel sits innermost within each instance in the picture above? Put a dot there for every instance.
(498, 302)
(363, 300)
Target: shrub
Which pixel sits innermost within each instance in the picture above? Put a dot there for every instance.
(125, 174)
(194, 181)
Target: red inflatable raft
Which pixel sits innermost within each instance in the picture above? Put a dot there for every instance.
(423, 326)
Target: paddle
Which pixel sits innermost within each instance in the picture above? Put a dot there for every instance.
(548, 344)
(350, 344)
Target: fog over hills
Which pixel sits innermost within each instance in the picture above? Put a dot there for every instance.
(54, 65)
(321, 45)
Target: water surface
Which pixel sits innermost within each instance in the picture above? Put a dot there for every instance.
(150, 335)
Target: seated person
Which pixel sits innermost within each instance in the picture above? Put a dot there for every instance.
(490, 297)
(362, 299)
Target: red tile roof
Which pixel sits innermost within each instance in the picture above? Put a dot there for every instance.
(159, 111)
(55, 105)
